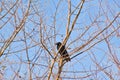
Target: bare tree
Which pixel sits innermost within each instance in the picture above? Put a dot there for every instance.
(90, 30)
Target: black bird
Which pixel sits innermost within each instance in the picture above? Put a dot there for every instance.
(63, 52)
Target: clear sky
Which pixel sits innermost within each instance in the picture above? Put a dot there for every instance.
(54, 14)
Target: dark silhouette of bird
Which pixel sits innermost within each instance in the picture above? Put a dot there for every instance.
(63, 52)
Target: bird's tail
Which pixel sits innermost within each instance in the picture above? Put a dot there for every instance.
(67, 59)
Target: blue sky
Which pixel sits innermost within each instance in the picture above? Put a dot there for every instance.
(47, 10)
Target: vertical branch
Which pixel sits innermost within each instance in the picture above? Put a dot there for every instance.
(60, 68)
(68, 33)
(27, 55)
(54, 23)
(73, 24)
(51, 68)
(42, 41)
(69, 18)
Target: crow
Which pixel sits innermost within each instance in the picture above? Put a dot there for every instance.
(63, 52)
